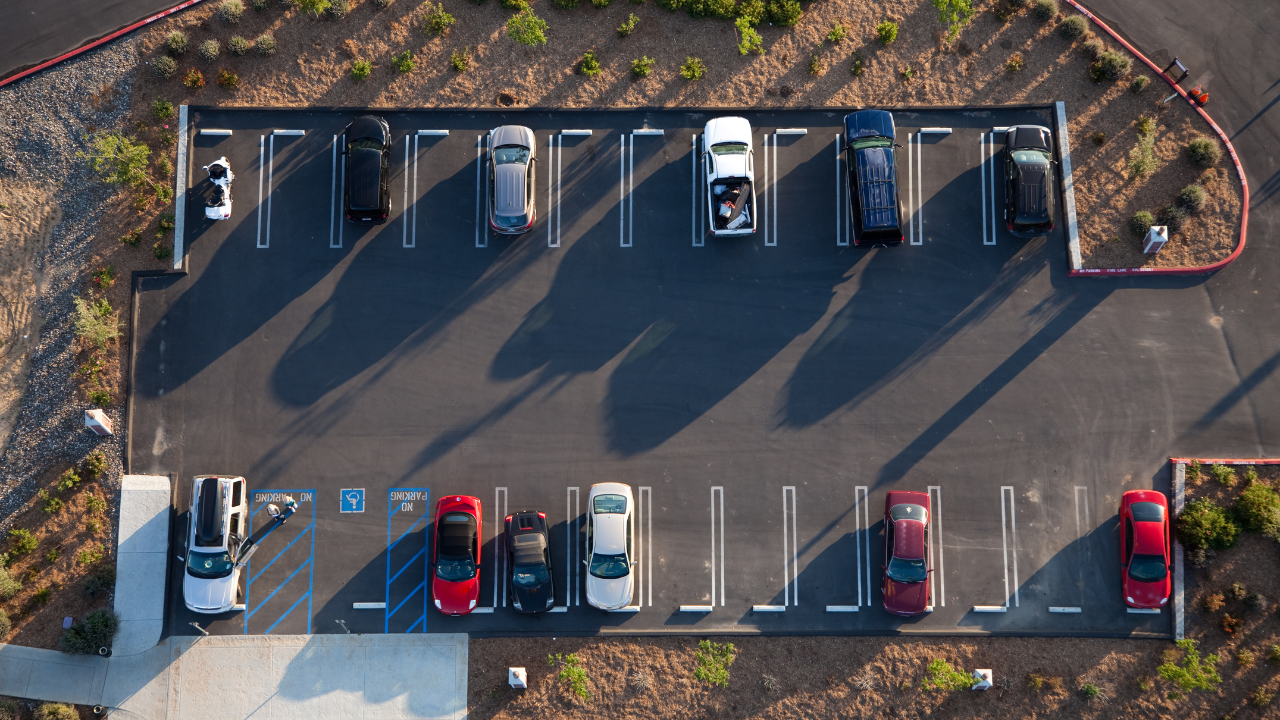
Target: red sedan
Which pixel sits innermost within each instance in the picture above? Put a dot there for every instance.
(1144, 548)
(906, 553)
(455, 580)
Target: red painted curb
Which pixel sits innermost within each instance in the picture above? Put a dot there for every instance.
(1229, 461)
(96, 43)
(1244, 184)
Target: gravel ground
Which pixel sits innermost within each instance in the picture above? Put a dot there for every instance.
(44, 121)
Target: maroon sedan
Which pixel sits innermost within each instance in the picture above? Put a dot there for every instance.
(906, 553)
(1144, 548)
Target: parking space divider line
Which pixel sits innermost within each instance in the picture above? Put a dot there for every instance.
(768, 608)
(919, 191)
(333, 187)
(764, 215)
(911, 194)
(990, 608)
(631, 190)
(693, 207)
(1065, 610)
(1012, 530)
(559, 183)
(404, 207)
(413, 223)
(842, 608)
(551, 156)
(772, 239)
(697, 608)
(936, 518)
(842, 228)
(646, 495)
(271, 161)
(342, 189)
(862, 536)
(705, 200)
(500, 556)
(991, 180)
(716, 491)
(622, 188)
(790, 583)
(481, 220)
(571, 551)
(982, 182)
(262, 140)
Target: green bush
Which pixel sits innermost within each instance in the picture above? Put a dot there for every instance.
(194, 79)
(1045, 10)
(1114, 64)
(164, 67)
(9, 585)
(600, 3)
(1090, 691)
(858, 65)
(90, 556)
(313, 7)
(590, 64)
(95, 504)
(837, 33)
(266, 44)
(96, 324)
(527, 28)
(404, 62)
(1093, 47)
(944, 677)
(714, 660)
(628, 26)
(360, 69)
(887, 32)
(753, 11)
(1258, 509)
(1204, 151)
(693, 68)
(1142, 158)
(8, 709)
(238, 45)
(571, 671)
(671, 5)
(1205, 524)
(176, 43)
(1192, 198)
(1191, 674)
(69, 479)
(117, 159)
(161, 251)
(816, 66)
(260, 5)
(460, 59)
(55, 711)
(231, 11)
(1138, 84)
(1146, 125)
(749, 39)
(97, 630)
(567, 4)
(100, 397)
(436, 21)
(955, 14)
(1073, 27)
(1224, 475)
(721, 9)
(209, 50)
(1172, 217)
(100, 581)
(338, 9)
(642, 67)
(163, 110)
(785, 13)
(1273, 656)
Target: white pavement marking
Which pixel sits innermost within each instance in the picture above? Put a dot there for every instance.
(479, 176)
(622, 188)
(1142, 611)
(772, 238)
(842, 608)
(693, 207)
(559, 183)
(288, 132)
(790, 584)
(442, 133)
(697, 608)
(570, 565)
(982, 184)
(911, 194)
(413, 222)
(575, 132)
(333, 188)
(791, 131)
(271, 161)
(1009, 529)
(182, 181)
(559, 609)
(1179, 500)
(842, 230)
(990, 608)
(262, 139)
(919, 192)
(717, 490)
(645, 524)
(991, 180)
(631, 190)
(627, 609)
(935, 518)
(369, 606)
(575, 550)
(1065, 610)
(768, 608)
(647, 131)
(214, 131)
(937, 130)
(764, 207)
(499, 556)
(862, 538)
(404, 205)
(342, 190)
(483, 611)
(551, 156)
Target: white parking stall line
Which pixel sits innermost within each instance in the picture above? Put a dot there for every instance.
(842, 230)
(693, 207)
(262, 140)
(790, 584)
(215, 131)
(499, 556)
(993, 164)
(1142, 611)
(368, 606)
(585, 133)
(935, 535)
(479, 176)
(982, 183)
(862, 541)
(271, 157)
(919, 236)
(342, 191)
(1009, 530)
(647, 131)
(333, 189)
(768, 608)
(717, 494)
(560, 182)
(842, 608)
(288, 132)
(551, 156)
(697, 608)
(791, 131)
(482, 611)
(574, 551)
(644, 524)
(936, 130)
(404, 206)
(911, 194)
(622, 189)
(1064, 610)
(764, 204)
(772, 238)
(438, 133)
(413, 221)
(990, 608)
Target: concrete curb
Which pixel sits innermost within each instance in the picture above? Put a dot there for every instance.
(1076, 270)
(142, 562)
(1068, 188)
(182, 178)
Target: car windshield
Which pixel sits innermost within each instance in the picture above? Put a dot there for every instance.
(455, 569)
(1147, 568)
(530, 575)
(729, 148)
(511, 154)
(210, 565)
(872, 142)
(906, 571)
(610, 504)
(512, 221)
(365, 144)
(1030, 155)
(1147, 512)
(609, 566)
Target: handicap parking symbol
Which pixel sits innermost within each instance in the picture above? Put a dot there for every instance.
(352, 500)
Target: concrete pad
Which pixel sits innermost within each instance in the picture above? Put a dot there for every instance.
(219, 683)
(144, 513)
(318, 680)
(139, 684)
(141, 562)
(50, 675)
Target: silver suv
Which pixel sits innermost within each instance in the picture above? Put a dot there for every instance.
(215, 530)
(511, 209)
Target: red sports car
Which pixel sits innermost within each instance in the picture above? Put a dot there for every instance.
(1144, 548)
(906, 553)
(455, 581)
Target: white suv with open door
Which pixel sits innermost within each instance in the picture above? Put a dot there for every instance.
(730, 175)
(216, 526)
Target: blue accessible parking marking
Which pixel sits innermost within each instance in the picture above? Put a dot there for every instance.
(352, 500)
(407, 557)
(297, 546)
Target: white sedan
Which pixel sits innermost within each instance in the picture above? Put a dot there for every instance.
(610, 533)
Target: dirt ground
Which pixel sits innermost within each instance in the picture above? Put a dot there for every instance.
(26, 709)
(312, 63)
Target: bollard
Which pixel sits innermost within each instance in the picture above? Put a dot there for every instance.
(97, 421)
(517, 679)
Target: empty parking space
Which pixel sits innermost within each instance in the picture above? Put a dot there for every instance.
(760, 395)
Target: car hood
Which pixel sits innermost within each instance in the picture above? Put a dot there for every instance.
(512, 135)
(209, 594)
(366, 127)
(609, 594)
(455, 597)
(868, 123)
(906, 598)
(1146, 594)
(1027, 136)
(727, 129)
(534, 598)
(509, 189)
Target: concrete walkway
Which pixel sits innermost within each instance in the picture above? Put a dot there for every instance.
(263, 677)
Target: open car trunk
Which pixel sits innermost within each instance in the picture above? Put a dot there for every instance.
(732, 206)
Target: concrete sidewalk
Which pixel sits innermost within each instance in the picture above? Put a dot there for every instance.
(256, 676)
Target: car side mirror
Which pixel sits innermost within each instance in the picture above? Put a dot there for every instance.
(634, 563)
(584, 562)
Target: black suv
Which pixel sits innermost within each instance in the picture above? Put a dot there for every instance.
(1028, 172)
(368, 186)
(529, 552)
(871, 181)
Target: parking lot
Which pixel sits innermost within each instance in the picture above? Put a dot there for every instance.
(760, 395)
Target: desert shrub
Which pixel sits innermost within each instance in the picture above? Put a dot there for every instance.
(436, 21)
(52, 556)
(816, 65)
(1146, 125)
(1237, 591)
(164, 67)
(1191, 674)
(163, 109)
(1273, 656)
(1142, 158)
(858, 65)
(837, 33)
(590, 64)
(1204, 524)
(55, 711)
(600, 3)
(642, 66)
(714, 660)
(571, 671)
(460, 59)
(194, 79)
(1090, 691)
(1073, 27)
(95, 504)
(314, 8)
(238, 45)
(404, 62)
(1093, 47)
(261, 5)
(100, 397)
(97, 630)
(1261, 697)
(1191, 199)
(176, 43)
(208, 50)
(43, 595)
(161, 251)
(9, 585)
(1173, 217)
(338, 9)
(52, 504)
(231, 11)
(749, 39)
(670, 5)
(567, 4)
(753, 11)
(719, 9)
(1255, 601)
(90, 556)
(1193, 471)
(1035, 681)
(382, 4)
(1231, 624)
(1225, 475)
(1045, 10)
(1113, 64)
(955, 14)
(117, 159)
(785, 13)
(1213, 602)
(21, 542)
(227, 79)
(944, 677)
(8, 708)
(266, 44)
(527, 28)
(887, 32)
(1138, 84)
(1250, 474)
(360, 69)
(1015, 63)
(693, 68)
(101, 581)
(1258, 509)
(1204, 151)
(628, 26)
(68, 480)
(1245, 658)
(96, 324)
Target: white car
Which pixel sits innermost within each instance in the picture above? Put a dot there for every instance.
(731, 176)
(218, 206)
(610, 557)
(215, 530)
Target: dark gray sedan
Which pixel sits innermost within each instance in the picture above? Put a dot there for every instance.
(511, 209)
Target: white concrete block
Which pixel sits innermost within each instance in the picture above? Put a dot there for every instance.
(983, 680)
(97, 421)
(517, 678)
(1157, 236)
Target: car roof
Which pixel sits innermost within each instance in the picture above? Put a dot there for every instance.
(513, 135)
(364, 171)
(1028, 136)
(908, 540)
(611, 533)
(510, 183)
(210, 512)
(527, 549)
(868, 123)
(727, 129)
(1148, 538)
(455, 537)
(1033, 190)
(367, 126)
(877, 186)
